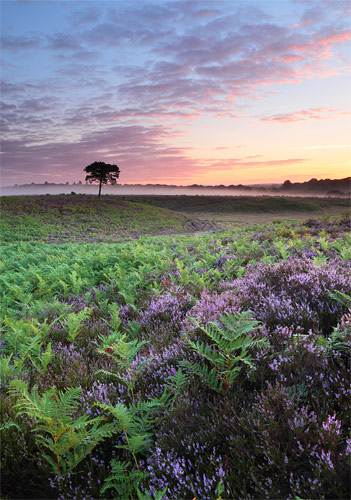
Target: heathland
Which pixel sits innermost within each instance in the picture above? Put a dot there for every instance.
(175, 347)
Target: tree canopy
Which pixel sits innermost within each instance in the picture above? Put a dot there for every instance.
(103, 173)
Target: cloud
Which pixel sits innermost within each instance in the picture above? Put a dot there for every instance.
(62, 42)
(124, 78)
(90, 15)
(231, 163)
(327, 146)
(142, 153)
(312, 15)
(202, 66)
(81, 55)
(19, 43)
(306, 114)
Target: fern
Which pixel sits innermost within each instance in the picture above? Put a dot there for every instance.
(135, 423)
(123, 352)
(7, 370)
(337, 342)
(226, 349)
(115, 322)
(7, 425)
(156, 495)
(27, 340)
(177, 382)
(73, 322)
(209, 376)
(341, 297)
(70, 440)
(32, 349)
(123, 482)
(220, 489)
(19, 330)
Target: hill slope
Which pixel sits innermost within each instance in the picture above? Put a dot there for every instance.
(57, 219)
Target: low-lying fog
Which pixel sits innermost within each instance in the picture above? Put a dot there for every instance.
(42, 189)
(120, 189)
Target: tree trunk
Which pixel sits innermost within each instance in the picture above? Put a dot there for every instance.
(100, 188)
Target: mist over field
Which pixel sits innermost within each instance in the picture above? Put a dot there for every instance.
(125, 190)
(55, 189)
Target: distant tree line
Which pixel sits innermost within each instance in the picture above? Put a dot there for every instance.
(328, 186)
(323, 186)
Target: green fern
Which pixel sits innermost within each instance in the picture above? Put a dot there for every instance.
(220, 489)
(282, 249)
(115, 322)
(122, 481)
(206, 374)
(135, 423)
(177, 382)
(16, 331)
(70, 440)
(341, 297)
(226, 350)
(28, 340)
(156, 495)
(8, 425)
(73, 322)
(338, 342)
(123, 352)
(31, 348)
(7, 370)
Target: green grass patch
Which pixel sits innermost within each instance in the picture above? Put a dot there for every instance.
(56, 219)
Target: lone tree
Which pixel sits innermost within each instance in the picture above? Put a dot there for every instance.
(103, 173)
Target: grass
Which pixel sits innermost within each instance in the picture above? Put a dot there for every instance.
(242, 204)
(55, 219)
(78, 218)
(232, 212)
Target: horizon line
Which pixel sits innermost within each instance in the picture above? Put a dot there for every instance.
(221, 186)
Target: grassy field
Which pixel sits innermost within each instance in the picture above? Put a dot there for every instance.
(138, 363)
(240, 211)
(84, 218)
(59, 218)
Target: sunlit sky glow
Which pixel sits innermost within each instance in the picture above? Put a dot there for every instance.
(176, 92)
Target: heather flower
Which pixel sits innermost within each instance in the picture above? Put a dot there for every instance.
(332, 425)
(212, 306)
(294, 293)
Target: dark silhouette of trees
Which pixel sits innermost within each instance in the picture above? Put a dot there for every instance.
(287, 185)
(103, 173)
(318, 186)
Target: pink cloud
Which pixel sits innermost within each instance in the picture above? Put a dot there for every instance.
(230, 163)
(306, 114)
(141, 152)
(292, 57)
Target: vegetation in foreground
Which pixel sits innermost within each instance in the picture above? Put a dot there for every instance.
(207, 366)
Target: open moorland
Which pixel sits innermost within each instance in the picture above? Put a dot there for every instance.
(231, 212)
(145, 357)
(83, 218)
(59, 218)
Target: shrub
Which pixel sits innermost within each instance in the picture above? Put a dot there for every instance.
(294, 293)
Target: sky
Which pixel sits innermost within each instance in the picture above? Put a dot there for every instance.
(176, 92)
